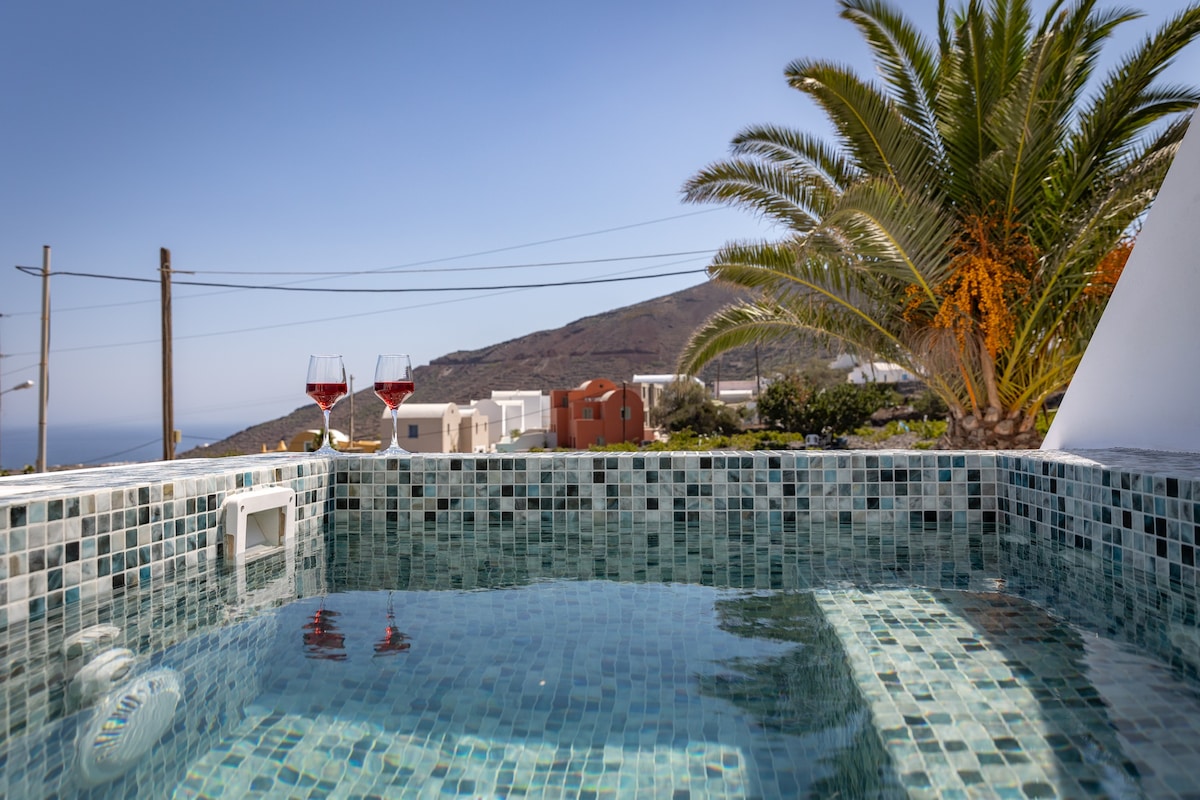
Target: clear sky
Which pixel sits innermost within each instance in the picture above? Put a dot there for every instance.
(267, 137)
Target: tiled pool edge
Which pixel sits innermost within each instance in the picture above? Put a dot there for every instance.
(63, 541)
(1120, 509)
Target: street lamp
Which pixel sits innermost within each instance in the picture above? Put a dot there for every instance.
(22, 385)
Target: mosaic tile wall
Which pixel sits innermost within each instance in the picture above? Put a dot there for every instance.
(64, 537)
(722, 492)
(1107, 530)
(68, 536)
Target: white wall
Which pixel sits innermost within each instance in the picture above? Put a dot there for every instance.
(1138, 384)
(534, 411)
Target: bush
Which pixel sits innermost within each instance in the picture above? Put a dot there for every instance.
(929, 405)
(841, 408)
(781, 404)
(686, 404)
(928, 430)
(791, 403)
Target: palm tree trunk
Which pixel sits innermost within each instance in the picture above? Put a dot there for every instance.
(987, 366)
(981, 432)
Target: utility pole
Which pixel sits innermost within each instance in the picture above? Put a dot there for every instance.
(44, 366)
(351, 388)
(624, 412)
(168, 388)
(757, 383)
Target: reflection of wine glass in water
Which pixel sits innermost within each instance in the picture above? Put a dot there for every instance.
(393, 384)
(326, 384)
(393, 641)
(321, 637)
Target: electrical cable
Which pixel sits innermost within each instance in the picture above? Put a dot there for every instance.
(388, 270)
(120, 453)
(299, 322)
(373, 290)
(410, 271)
(427, 261)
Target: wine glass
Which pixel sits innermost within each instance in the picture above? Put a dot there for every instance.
(393, 384)
(326, 384)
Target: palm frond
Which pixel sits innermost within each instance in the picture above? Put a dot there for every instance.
(798, 151)
(1026, 135)
(906, 239)
(785, 196)
(792, 278)
(1127, 103)
(906, 62)
(869, 125)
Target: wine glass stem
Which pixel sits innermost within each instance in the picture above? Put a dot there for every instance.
(395, 441)
(325, 438)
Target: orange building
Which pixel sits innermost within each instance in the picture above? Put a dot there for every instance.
(598, 412)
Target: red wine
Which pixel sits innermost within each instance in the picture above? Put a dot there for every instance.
(326, 394)
(393, 393)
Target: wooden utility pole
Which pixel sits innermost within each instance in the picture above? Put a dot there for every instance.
(44, 366)
(168, 388)
(351, 389)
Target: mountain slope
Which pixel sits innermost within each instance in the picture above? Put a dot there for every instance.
(644, 338)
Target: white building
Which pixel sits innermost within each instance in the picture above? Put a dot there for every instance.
(734, 392)
(474, 431)
(424, 427)
(535, 408)
(881, 372)
(513, 410)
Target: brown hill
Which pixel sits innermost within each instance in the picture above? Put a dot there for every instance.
(645, 338)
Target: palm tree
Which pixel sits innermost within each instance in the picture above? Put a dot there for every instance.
(970, 216)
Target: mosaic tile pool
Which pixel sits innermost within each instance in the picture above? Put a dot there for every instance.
(857, 661)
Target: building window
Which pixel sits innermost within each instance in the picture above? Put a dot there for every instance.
(626, 412)
(600, 441)
(587, 412)
(412, 431)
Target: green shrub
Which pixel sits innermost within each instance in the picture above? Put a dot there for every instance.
(841, 408)
(781, 404)
(930, 406)
(791, 404)
(686, 405)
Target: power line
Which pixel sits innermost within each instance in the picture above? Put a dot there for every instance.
(300, 322)
(408, 271)
(425, 262)
(291, 324)
(386, 270)
(393, 290)
(558, 239)
(120, 453)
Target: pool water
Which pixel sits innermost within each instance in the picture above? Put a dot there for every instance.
(552, 689)
(358, 673)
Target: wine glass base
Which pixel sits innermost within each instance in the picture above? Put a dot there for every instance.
(324, 451)
(393, 451)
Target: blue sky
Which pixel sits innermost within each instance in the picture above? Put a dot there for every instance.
(302, 136)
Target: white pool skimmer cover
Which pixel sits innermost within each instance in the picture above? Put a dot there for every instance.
(127, 724)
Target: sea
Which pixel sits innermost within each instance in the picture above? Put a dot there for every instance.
(93, 445)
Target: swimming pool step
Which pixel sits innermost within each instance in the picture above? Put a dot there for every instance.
(983, 692)
(272, 754)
